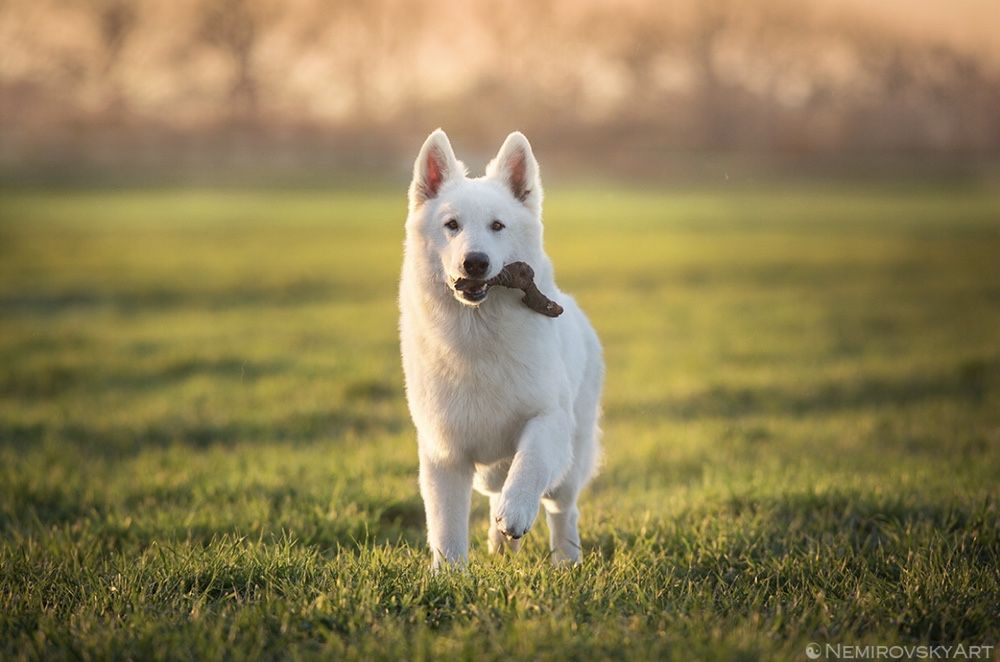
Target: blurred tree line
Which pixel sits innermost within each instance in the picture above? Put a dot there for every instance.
(92, 82)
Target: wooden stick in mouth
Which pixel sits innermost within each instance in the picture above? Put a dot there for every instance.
(520, 276)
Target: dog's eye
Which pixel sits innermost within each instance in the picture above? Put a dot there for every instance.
(452, 225)
(496, 226)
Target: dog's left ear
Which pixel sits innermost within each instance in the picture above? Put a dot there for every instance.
(516, 167)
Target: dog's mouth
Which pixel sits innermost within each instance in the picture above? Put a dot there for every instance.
(469, 290)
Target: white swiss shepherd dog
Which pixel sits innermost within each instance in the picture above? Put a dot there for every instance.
(505, 400)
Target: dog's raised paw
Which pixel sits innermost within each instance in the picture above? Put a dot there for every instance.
(514, 519)
(510, 532)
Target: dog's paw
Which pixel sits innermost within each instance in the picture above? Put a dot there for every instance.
(565, 557)
(441, 566)
(514, 516)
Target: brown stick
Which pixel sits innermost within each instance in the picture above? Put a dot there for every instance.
(520, 276)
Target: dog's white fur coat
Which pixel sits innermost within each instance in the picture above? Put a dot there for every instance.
(504, 399)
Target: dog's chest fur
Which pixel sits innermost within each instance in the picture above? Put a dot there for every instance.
(473, 375)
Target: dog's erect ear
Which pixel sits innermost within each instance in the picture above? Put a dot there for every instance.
(515, 166)
(435, 165)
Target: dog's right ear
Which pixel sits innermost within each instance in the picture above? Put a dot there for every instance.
(435, 165)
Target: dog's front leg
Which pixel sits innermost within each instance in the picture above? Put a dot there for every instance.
(544, 454)
(446, 487)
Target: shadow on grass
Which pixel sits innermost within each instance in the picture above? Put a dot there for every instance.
(970, 382)
(53, 380)
(121, 442)
(352, 521)
(787, 524)
(40, 303)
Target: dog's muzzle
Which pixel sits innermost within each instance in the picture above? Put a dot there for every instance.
(473, 291)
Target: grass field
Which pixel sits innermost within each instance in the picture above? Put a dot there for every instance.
(205, 450)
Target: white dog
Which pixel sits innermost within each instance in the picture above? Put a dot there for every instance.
(504, 399)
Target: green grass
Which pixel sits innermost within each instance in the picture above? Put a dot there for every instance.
(205, 450)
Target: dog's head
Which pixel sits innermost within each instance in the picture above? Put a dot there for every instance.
(471, 228)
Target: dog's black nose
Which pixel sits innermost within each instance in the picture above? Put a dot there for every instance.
(476, 265)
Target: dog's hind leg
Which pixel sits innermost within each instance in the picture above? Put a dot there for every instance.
(561, 511)
(562, 515)
(497, 541)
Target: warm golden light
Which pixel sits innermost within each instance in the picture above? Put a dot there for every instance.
(150, 82)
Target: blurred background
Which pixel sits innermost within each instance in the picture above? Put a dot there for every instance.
(305, 90)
